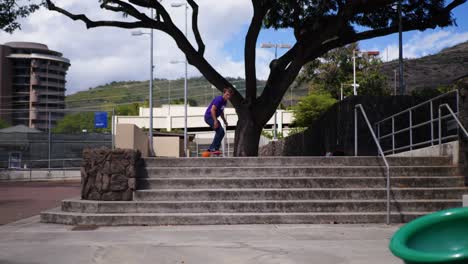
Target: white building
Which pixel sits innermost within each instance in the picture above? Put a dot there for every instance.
(170, 117)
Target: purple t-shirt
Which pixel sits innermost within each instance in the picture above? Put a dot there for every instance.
(220, 104)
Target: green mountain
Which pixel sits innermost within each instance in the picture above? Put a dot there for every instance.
(433, 71)
(200, 92)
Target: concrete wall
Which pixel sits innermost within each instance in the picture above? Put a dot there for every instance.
(168, 146)
(448, 149)
(129, 136)
(463, 115)
(38, 175)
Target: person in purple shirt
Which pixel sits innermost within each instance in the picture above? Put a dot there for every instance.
(214, 110)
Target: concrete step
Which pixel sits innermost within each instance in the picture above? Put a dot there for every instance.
(350, 171)
(298, 182)
(297, 194)
(59, 217)
(102, 207)
(295, 161)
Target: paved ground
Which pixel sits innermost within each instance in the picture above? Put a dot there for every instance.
(19, 200)
(31, 242)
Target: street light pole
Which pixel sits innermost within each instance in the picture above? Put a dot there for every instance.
(400, 49)
(370, 53)
(354, 73)
(276, 46)
(151, 149)
(185, 80)
(150, 99)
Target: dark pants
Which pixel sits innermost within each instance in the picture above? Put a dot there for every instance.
(219, 133)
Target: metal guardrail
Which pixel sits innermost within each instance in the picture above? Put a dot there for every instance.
(356, 107)
(412, 126)
(440, 124)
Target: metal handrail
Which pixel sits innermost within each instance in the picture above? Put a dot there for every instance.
(440, 124)
(378, 147)
(412, 126)
(418, 105)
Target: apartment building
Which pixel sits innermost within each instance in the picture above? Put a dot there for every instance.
(32, 84)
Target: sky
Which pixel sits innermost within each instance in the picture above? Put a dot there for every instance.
(103, 55)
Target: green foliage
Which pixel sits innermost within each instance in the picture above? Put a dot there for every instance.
(446, 88)
(309, 14)
(335, 70)
(11, 11)
(425, 93)
(311, 107)
(190, 101)
(296, 130)
(3, 124)
(128, 110)
(270, 134)
(76, 123)
(428, 93)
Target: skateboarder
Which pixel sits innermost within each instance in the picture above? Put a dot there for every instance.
(214, 110)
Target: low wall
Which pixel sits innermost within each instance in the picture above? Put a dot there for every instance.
(110, 175)
(450, 149)
(39, 175)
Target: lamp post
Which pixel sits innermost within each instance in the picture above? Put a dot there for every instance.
(150, 134)
(185, 104)
(342, 97)
(355, 52)
(276, 46)
(185, 80)
(400, 49)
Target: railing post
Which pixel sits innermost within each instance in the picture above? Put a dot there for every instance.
(355, 132)
(432, 124)
(440, 131)
(388, 195)
(379, 148)
(411, 129)
(49, 139)
(393, 135)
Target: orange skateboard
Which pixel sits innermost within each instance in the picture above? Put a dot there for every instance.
(207, 154)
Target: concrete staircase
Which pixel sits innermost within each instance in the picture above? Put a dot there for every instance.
(275, 190)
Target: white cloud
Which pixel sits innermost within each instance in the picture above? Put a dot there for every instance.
(102, 55)
(423, 44)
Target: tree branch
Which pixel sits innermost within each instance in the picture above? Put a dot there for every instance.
(250, 51)
(125, 8)
(196, 32)
(193, 57)
(91, 24)
(157, 6)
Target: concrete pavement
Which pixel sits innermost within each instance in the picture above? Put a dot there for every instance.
(30, 242)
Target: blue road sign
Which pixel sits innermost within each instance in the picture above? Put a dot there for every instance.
(100, 119)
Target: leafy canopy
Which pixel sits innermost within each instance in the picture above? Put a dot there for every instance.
(335, 70)
(311, 107)
(11, 11)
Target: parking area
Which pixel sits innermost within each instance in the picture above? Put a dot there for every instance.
(19, 200)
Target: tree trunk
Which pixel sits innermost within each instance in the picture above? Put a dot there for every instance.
(247, 136)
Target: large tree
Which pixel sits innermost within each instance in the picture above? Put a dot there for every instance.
(319, 26)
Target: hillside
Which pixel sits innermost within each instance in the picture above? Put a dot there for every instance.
(432, 71)
(119, 93)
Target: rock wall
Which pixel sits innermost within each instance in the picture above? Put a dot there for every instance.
(109, 175)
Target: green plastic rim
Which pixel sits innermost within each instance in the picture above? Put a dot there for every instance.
(399, 242)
